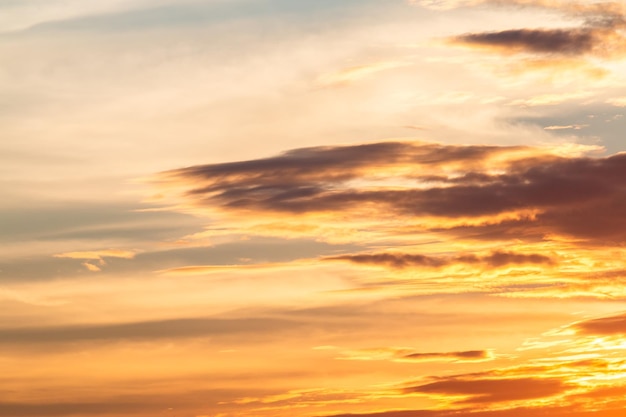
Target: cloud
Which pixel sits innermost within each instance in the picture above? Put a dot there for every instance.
(522, 389)
(553, 41)
(565, 127)
(487, 192)
(405, 260)
(327, 163)
(104, 401)
(463, 356)
(349, 75)
(612, 325)
(97, 256)
(598, 34)
(493, 390)
(146, 330)
(398, 354)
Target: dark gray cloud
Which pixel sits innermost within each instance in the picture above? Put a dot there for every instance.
(394, 260)
(313, 179)
(307, 179)
(565, 195)
(553, 41)
(404, 260)
(599, 34)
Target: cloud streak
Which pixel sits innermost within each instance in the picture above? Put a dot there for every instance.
(486, 190)
(612, 325)
(467, 355)
(146, 330)
(493, 390)
(601, 33)
(552, 41)
(404, 260)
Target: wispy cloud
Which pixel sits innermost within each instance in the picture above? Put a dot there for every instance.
(493, 390)
(565, 127)
(98, 256)
(405, 354)
(404, 260)
(462, 356)
(352, 74)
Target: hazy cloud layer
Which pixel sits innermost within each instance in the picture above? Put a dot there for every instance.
(125, 405)
(148, 330)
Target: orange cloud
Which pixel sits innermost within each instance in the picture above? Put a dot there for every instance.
(97, 256)
(493, 390)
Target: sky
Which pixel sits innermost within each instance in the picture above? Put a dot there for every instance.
(298, 208)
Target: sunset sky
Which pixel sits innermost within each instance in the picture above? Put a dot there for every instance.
(312, 208)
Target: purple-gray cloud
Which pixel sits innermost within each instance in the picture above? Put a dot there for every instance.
(599, 34)
(405, 260)
(577, 196)
(553, 41)
(468, 355)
